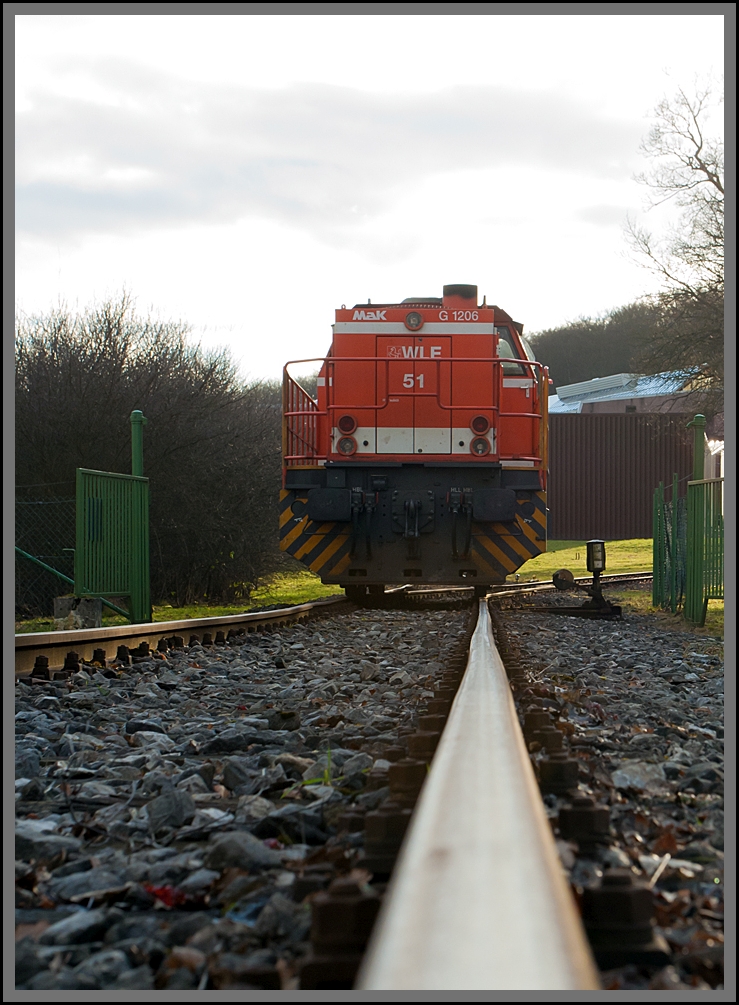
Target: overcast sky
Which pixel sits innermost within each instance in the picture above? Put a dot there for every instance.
(249, 174)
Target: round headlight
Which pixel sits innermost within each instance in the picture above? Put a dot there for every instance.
(479, 424)
(346, 445)
(414, 321)
(480, 446)
(347, 424)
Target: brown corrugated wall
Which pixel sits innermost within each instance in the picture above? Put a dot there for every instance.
(603, 470)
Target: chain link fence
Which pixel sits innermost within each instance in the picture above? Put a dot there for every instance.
(45, 528)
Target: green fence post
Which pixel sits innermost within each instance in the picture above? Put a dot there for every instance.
(140, 583)
(694, 590)
(658, 547)
(694, 557)
(665, 552)
(675, 546)
(655, 547)
(79, 518)
(138, 421)
(140, 578)
(698, 425)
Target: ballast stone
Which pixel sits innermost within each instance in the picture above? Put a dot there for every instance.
(39, 846)
(639, 775)
(27, 763)
(104, 967)
(240, 848)
(148, 738)
(230, 740)
(83, 926)
(171, 809)
(137, 979)
(89, 882)
(144, 725)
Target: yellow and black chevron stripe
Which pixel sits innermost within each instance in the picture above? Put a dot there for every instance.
(323, 547)
(498, 552)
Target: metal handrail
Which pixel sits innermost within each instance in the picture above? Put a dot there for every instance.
(536, 370)
(330, 361)
(479, 900)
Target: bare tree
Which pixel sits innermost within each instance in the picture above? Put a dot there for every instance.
(687, 166)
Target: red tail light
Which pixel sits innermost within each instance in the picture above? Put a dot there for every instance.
(479, 424)
(347, 424)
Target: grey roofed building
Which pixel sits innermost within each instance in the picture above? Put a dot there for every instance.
(623, 392)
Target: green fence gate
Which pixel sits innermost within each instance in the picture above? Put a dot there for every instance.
(705, 539)
(111, 553)
(112, 539)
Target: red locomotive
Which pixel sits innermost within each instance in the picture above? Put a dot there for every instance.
(423, 456)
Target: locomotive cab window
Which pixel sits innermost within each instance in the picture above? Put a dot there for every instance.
(507, 351)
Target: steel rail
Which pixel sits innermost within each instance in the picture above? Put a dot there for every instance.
(544, 586)
(55, 644)
(84, 640)
(478, 900)
(531, 586)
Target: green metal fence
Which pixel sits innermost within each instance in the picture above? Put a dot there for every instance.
(688, 540)
(669, 547)
(112, 554)
(108, 523)
(705, 538)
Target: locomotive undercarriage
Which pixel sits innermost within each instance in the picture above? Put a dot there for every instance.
(367, 526)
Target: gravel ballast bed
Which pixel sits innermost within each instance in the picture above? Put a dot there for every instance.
(173, 817)
(641, 710)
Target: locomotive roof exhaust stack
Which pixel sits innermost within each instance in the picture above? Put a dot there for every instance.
(460, 295)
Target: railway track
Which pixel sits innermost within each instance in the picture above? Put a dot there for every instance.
(54, 646)
(535, 586)
(478, 900)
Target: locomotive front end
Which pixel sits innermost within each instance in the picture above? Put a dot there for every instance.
(422, 457)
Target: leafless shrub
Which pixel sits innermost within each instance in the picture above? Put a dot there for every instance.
(212, 443)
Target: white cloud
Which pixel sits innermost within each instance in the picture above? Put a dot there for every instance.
(603, 215)
(251, 173)
(318, 156)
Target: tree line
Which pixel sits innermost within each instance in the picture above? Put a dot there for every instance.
(211, 444)
(597, 346)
